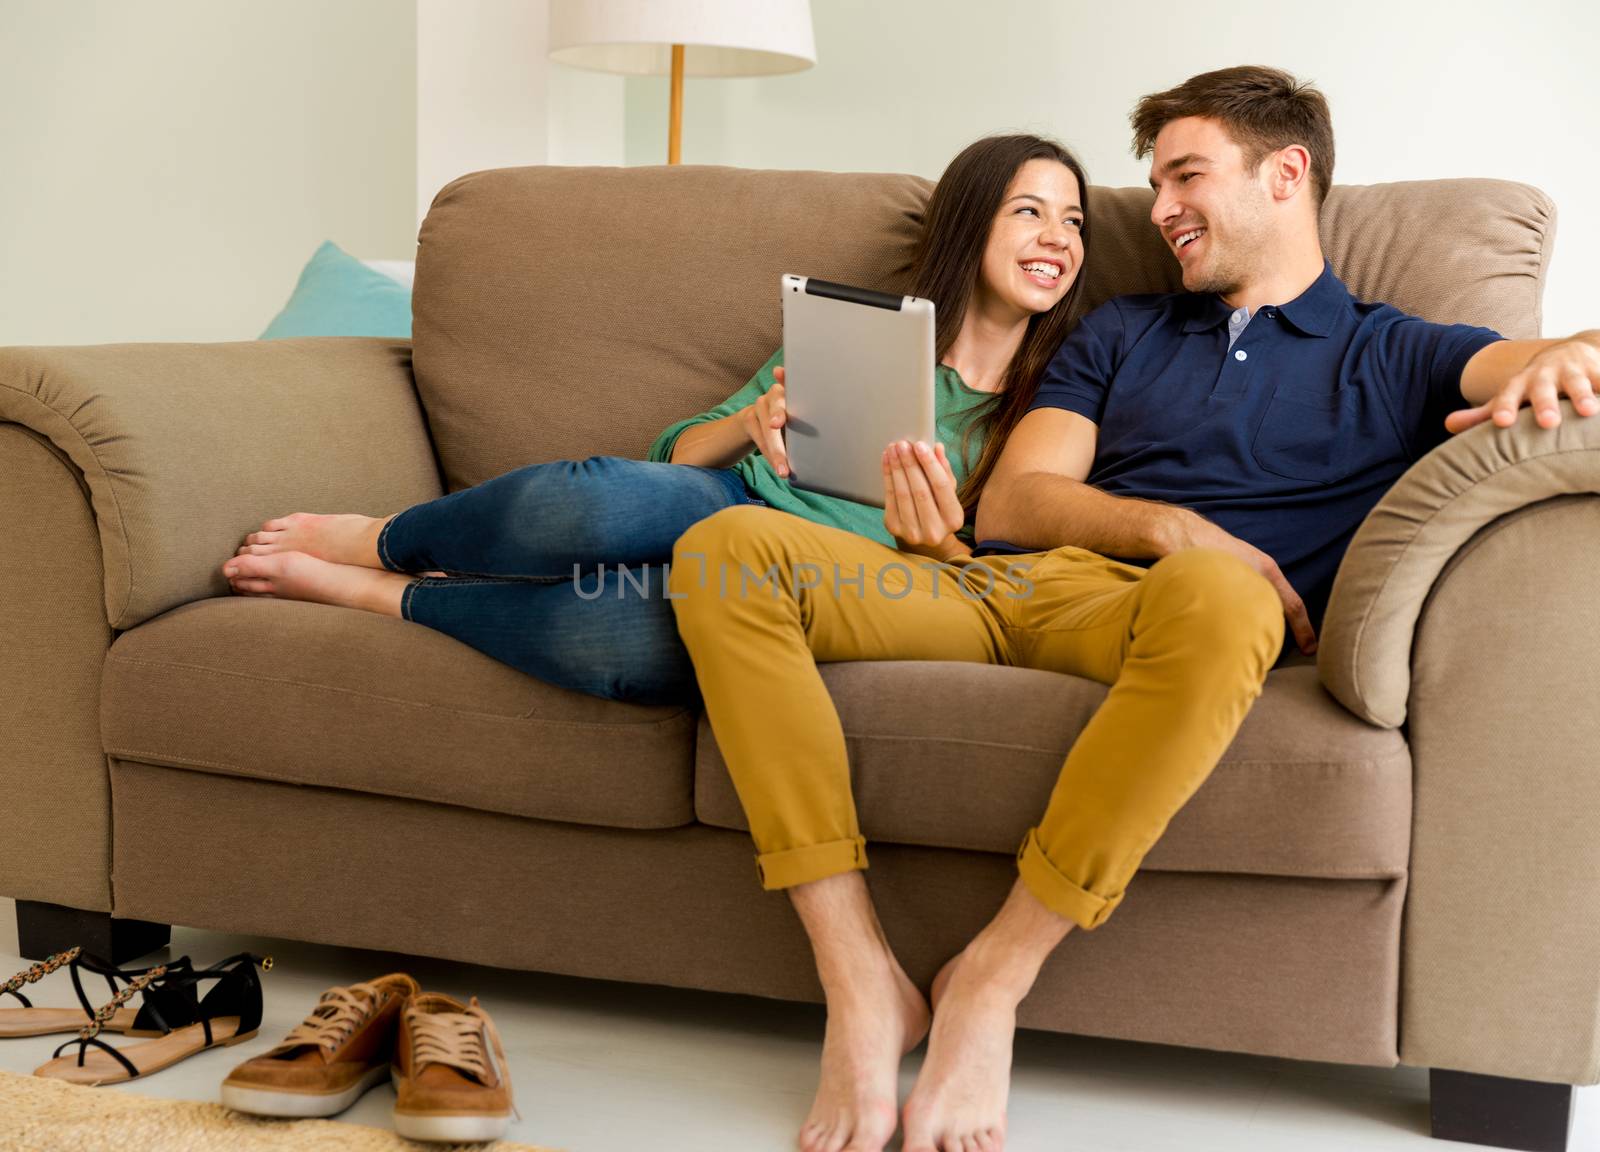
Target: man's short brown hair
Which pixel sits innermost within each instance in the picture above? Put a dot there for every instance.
(1263, 109)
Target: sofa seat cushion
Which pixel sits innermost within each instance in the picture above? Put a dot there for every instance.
(311, 694)
(965, 756)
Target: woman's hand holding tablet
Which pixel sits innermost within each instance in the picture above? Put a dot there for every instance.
(920, 507)
(764, 421)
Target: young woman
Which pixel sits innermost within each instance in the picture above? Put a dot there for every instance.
(525, 567)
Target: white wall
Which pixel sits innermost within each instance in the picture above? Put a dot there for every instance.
(587, 117)
(1420, 89)
(489, 97)
(167, 166)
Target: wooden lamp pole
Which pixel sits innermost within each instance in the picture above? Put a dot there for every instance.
(726, 38)
(675, 124)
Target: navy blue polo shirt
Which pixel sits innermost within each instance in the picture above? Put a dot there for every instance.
(1285, 440)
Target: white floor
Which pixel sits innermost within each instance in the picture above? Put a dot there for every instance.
(600, 1066)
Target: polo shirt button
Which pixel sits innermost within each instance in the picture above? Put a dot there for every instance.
(1240, 355)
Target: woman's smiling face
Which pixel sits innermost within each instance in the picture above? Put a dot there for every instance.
(1035, 248)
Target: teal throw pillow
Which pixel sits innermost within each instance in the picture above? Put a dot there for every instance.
(338, 295)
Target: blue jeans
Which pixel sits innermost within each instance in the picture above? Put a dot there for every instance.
(559, 570)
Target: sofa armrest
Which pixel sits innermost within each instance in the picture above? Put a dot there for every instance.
(55, 798)
(186, 448)
(1466, 609)
(1364, 652)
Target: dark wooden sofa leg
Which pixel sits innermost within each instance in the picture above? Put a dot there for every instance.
(43, 929)
(1525, 1114)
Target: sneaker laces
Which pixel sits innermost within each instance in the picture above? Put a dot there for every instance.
(338, 1012)
(455, 1040)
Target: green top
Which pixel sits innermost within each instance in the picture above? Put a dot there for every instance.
(954, 403)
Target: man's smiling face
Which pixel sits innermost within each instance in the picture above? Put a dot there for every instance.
(1213, 211)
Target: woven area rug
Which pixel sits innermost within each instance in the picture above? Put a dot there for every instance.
(39, 1115)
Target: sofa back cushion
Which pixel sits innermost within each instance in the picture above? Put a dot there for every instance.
(566, 312)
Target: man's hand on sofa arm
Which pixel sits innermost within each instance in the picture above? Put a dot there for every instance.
(1507, 374)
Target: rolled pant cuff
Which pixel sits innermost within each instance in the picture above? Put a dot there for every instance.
(383, 547)
(813, 862)
(1056, 892)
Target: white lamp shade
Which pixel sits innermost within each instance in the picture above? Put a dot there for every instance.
(720, 37)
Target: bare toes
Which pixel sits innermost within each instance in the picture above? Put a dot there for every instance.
(247, 567)
(812, 1136)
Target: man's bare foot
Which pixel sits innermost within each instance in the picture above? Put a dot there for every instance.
(296, 576)
(959, 1101)
(871, 1026)
(941, 982)
(338, 539)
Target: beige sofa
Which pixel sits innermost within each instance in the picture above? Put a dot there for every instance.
(1395, 862)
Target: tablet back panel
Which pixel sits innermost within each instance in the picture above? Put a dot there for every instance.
(858, 371)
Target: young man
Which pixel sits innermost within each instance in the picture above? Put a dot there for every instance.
(1134, 444)
(1232, 437)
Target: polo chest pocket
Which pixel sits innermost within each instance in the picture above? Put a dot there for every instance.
(1323, 438)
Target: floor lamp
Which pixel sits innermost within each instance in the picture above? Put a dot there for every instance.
(683, 38)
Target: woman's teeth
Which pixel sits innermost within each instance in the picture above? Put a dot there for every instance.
(1050, 271)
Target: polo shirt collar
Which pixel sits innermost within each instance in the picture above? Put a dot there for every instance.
(1316, 310)
(1206, 311)
(1313, 312)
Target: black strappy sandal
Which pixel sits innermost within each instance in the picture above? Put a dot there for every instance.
(30, 1021)
(228, 1014)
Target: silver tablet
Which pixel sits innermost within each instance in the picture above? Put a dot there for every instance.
(858, 374)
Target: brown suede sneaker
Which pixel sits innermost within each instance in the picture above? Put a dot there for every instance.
(449, 1076)
(330, 1058)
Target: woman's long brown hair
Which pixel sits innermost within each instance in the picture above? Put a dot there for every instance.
(955, 233)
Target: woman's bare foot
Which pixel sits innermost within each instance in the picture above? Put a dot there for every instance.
(873, 1022)
(959, 1101)
(338, 539)
(297, 576)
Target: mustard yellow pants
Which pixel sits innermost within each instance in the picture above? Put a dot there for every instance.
(763, 597)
